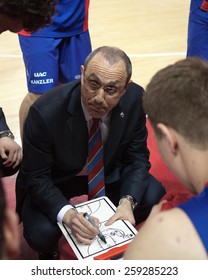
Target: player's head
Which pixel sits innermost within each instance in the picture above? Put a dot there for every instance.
(25, 14)
(176, 102)
(177, 96)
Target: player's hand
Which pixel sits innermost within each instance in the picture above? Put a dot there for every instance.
(10, 152)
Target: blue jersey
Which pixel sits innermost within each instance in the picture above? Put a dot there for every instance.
(197, 210)
(197, 43)
(70, 19)
(197, 12)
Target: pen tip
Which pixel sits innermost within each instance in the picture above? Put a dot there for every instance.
(104, 240)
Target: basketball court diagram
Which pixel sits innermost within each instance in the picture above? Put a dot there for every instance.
(119, 233)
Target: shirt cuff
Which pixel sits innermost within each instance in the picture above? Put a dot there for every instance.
(62, 212)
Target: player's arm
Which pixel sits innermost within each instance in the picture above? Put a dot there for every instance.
(166, 235)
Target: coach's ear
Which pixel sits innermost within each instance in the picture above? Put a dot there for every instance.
(82, 69)
(82, 73)
(169, 135)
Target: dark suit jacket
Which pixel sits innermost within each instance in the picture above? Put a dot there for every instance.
(55, 147)
(3, 124)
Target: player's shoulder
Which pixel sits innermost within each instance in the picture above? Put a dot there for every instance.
(166, 219)
(174, 230)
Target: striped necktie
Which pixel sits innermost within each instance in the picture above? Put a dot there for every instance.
(96, 183)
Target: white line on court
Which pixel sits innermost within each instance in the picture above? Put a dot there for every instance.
(130, 55)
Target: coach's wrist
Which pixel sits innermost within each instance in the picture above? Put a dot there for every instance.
(128, 199)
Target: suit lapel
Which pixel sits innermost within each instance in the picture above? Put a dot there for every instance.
(117, 125)
(77, 123)
(78, 127)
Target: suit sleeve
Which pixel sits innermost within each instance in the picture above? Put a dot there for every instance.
(36, 168)
(135, 161)
(133, 154)
(3, 124)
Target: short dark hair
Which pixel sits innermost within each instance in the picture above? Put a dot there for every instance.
(2, 216)
(112, 55)
(34, 13)
(177, 96)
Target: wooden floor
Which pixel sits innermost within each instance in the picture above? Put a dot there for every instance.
(152, 33)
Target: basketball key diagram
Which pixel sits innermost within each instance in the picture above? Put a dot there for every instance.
(117, 234)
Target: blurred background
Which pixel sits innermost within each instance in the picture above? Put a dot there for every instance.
(152, 33)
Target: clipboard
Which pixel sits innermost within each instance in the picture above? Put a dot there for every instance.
(115, 253)
(118, 235)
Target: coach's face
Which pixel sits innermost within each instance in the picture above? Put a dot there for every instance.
(8, 23)
(102, 85)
